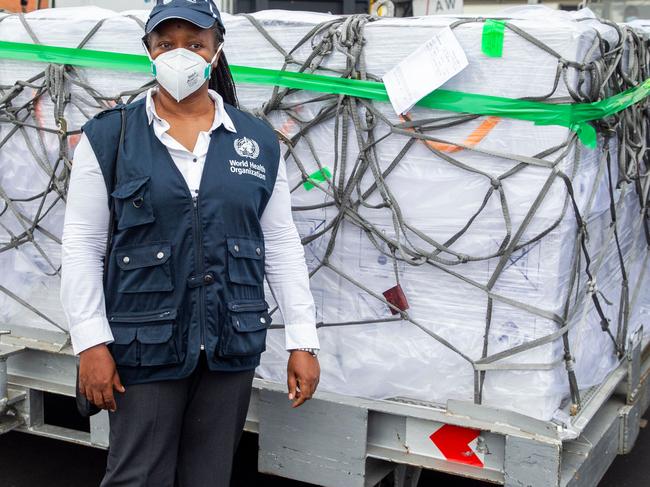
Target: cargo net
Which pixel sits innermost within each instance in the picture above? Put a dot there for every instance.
(622, 151)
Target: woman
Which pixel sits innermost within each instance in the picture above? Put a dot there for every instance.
(202, 213)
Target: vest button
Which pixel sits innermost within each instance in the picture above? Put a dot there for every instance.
(262, 320)
(258, 251)
(126, 259)
(208, 278)
(236, 248)
(160, 255)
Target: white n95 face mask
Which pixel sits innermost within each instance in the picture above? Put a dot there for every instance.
(180, 71)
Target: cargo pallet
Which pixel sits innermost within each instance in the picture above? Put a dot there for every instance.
(342, 441)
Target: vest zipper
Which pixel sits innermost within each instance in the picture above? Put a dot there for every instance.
(198, 250)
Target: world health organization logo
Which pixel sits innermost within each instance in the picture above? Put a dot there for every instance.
(246, 147)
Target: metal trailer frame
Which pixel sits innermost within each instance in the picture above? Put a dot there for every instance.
(342, 441)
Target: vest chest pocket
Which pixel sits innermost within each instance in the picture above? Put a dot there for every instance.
(146, 339)
(133, 202)
(244, 330)
(144, 268)
(246, 260)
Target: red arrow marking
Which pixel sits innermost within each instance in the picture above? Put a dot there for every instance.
(453, 442)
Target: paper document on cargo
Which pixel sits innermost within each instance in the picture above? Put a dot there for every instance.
(427, 68)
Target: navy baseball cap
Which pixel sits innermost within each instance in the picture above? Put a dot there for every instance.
(203, 13)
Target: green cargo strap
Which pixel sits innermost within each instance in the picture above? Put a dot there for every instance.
(492, 40)
(571, 115)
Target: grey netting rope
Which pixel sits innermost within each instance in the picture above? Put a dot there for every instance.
(607, 77)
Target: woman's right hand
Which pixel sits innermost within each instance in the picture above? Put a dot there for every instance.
(98, 377)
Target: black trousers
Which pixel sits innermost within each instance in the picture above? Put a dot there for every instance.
(180, 433)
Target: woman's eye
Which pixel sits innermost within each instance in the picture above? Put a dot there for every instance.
(196, 45)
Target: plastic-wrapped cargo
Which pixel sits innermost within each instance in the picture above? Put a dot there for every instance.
(36, 162)
(509, 280)
(431, 195)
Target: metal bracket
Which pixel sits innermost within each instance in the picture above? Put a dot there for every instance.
(630, 423)
(633, 357)
(4, 382)
(5, 352)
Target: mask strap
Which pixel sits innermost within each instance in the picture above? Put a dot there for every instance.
(153, 64)
(208, 68)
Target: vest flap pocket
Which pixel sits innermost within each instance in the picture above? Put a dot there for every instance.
(252, 321)
(245, 260)
(135, 257)
(249, 315)
(133, 206)
(124, 348)
(127, 188)
(152, 334)
(249, 248)
(146, 338)
(123, 335)
(244, 333)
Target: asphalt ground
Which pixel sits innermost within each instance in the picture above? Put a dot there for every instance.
(32, 461)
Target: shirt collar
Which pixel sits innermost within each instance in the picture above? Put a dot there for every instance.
(220, 114)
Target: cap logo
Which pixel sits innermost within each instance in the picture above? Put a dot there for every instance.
(209, 2)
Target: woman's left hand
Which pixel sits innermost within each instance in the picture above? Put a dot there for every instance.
(303, 374)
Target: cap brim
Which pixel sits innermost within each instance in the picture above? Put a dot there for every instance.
(202, 20)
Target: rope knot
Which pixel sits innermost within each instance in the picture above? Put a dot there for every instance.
(496, 183)
(592, 288)
(62, 125)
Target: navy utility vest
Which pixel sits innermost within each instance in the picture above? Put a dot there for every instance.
(185, 271)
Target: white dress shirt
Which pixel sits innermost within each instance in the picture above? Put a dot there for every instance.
(85, 231)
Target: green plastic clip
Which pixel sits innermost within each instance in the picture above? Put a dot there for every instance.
(319, 176)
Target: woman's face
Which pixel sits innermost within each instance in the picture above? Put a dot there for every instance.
(175, 33)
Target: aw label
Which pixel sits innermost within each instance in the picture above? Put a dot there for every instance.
(437, 7)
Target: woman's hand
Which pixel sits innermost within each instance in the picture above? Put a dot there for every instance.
(98, 376)
(303, 374)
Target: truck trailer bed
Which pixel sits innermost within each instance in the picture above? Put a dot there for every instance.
(344, 441)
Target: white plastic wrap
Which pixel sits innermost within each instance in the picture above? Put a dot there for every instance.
(29, 157)
(395, 358)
